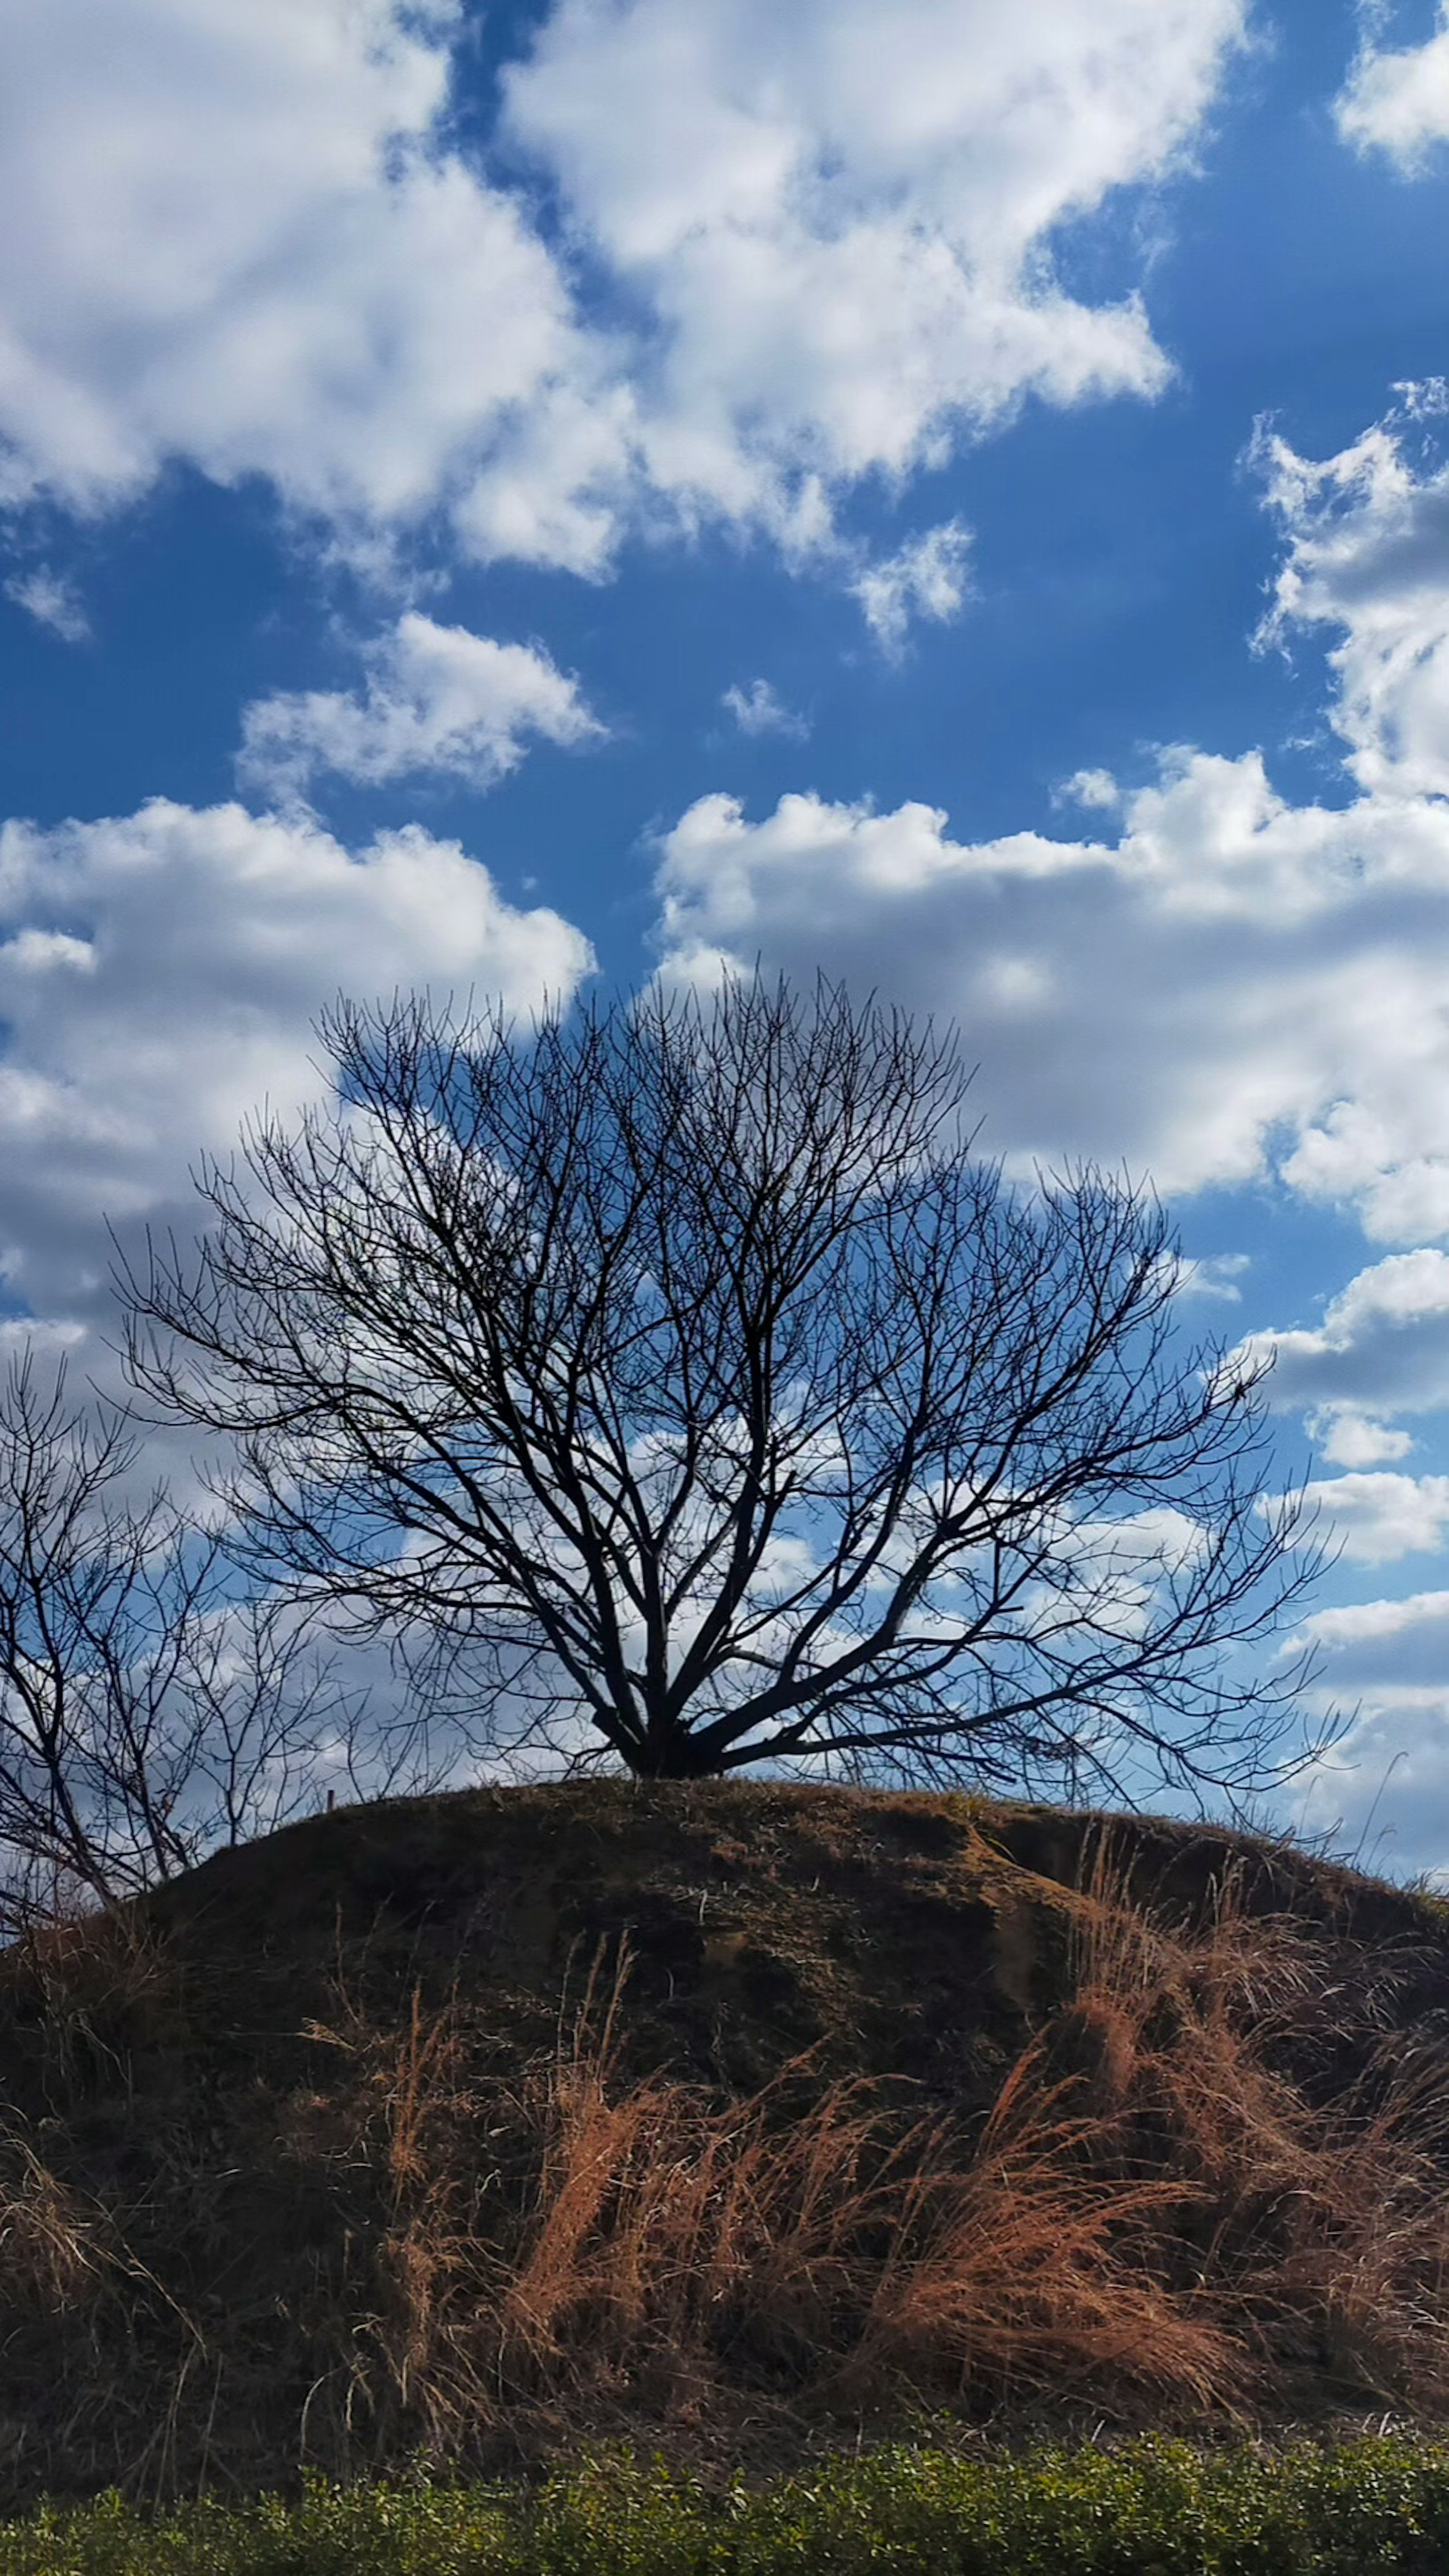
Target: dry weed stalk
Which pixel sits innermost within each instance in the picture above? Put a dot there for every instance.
(55, 2249)
(1318, 2226)
(634, 2241)
(1178, 2201)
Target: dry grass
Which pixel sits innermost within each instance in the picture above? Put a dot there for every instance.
(1316, 2227)
(55, 2251)
(1212, 2182)
(1152, 2217)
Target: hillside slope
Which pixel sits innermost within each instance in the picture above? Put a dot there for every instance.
(478, 2125)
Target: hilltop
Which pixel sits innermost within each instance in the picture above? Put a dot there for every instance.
(730, 2115)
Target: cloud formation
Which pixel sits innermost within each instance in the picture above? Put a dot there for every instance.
(245, 245)
(435, 699)
(1225, 985)
(1233, 984)
(758, 709)
(52, 601)
(842, 218)
(1376, 1519)
(1397, 98)
(1381, 1351)
(1380, 1796)
(1348, 1437)
(160, 974)
(926, 578)
(1383, 1785)
(1367, 555)
(247, 237)
(1216, 1277)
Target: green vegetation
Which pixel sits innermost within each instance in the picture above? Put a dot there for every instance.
(1377, 2507)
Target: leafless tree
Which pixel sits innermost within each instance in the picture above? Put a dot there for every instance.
(148, 1711)
(680, 1367)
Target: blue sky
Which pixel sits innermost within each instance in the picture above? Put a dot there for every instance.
(950, 494)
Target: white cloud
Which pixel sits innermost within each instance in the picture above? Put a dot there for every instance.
(1383, 1784)
(1216, 1276)
(51, 601)
(756, 710)
(841, 217)
(1223, 986)
(1350, 1438)
(1381, 1794)
(1397, 99)
(1368, 555)
(1375, 1519)
(435, 698)
(245, 237)
(159, 977)
(1230, 982)
(1415, 1626)
(1381, 1350)
(245, 245)
(1095, 790)
(926, 578)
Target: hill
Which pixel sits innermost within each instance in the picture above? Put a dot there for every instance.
(736, 2115)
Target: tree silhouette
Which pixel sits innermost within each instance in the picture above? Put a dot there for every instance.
(146, 1712)
(682, 1374)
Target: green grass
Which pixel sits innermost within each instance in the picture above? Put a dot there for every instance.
(1152, 2507)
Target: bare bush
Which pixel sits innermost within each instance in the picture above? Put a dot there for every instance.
(149, 1709)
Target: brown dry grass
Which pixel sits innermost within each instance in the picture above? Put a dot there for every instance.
(635, 2249)
(1151, 2217)
(1213, 2181)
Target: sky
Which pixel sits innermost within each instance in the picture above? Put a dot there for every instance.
(509, 501)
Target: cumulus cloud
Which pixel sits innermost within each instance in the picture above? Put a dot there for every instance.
(1216, 1276)
(841, 218)
(1230, 983)
(51, 601)
(1348, 1437)
(1382, 1786)
(1384, 1782)
(1219, 984)
(160, 974)
(757, 710)
(1397, 98)
(245, 245)
(1375, 1519)
(435, 698)
(925, 579)
(1367, 555)
(1381, 1794)
(1095, 790)
(1382, 1350)
(825, 235)
(1390, 1644)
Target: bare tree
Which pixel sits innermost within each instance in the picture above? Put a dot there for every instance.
(682, 1370)
(148, 1711)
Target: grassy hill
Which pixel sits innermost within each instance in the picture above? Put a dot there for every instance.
(736, 2116)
